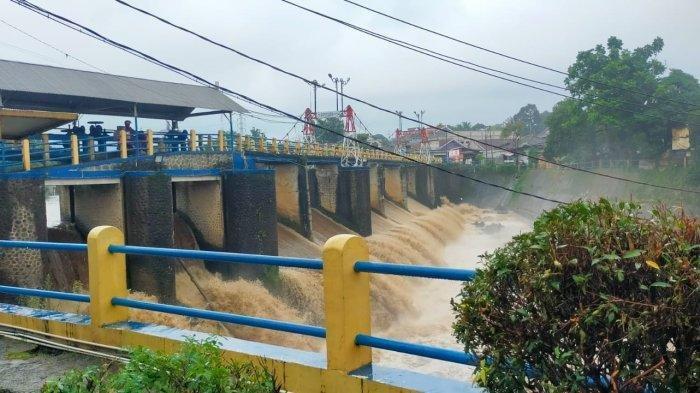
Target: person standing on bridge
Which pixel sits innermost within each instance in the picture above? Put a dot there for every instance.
(129, 134)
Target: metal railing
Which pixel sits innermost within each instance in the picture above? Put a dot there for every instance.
(345, 280)
(73, 149)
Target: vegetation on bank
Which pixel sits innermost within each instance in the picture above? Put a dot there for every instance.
(597, 297)
(197, 367)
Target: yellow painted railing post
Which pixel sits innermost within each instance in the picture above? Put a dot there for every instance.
(26, 157)
(47, 147)
(222, 141)
(274, 146)
(193, 140)
(246, 143)
(74, 151)
(106, 276)
(346, 297)
(91, 148)
(122, 144)
(149, 142)
(261, 144)
(286, 146)
(297, 147)
(239, 145)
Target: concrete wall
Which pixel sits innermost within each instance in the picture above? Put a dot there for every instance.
(344, 195)
(396, 185)
(203, 160)
(250, 219)
(95, 205)
(22, 217)
(411, 181)
(201, 203)
(425, 186)
(326, 187)
(149, 222)
(376, 187)
(64, 196)
(292, 195)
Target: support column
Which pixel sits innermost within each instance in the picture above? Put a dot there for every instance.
(148, 208)
(425, 186)
(354, 206)
(22, 217)
(250, 219)
(202, 205)
(376, 187)
(292, 195)
(396, 185)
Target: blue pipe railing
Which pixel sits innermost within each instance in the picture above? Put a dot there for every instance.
(263, 323)
(397, 269)
(78, 247)
(42, 293)
(306, 263)
(425, 351)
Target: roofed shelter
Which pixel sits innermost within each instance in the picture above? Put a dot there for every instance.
(37, 87)
(17, 123)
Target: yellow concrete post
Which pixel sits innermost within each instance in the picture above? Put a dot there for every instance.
(274, 145)
(297, 147)
(47, 147)
(149, 142)
(91, 148)
(346, 296)
(286, 146)
(209, 143)
(222, 140)
(261, 144)
(246, 143)
(26, 157)
(193, 140)
(239, 145)
(122, 144)
(74, 151)
(106, 276)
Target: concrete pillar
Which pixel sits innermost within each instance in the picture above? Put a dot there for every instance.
(411, 181)
(201, 202)
(250, 219)
(148, 207)
(354, 206)
(99, 204)
(292, 196)
(425, 186)
(64, 202)
(376, 187)
(396, 184)
(22, 217)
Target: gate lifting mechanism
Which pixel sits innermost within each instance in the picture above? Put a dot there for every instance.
(402, 138)
(351, 149)
(309, 131)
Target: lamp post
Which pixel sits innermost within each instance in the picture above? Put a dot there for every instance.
(342, 83)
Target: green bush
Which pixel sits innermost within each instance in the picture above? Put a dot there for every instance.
(595, 292)
(198, 367)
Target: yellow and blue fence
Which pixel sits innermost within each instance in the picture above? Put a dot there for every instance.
(347, 365)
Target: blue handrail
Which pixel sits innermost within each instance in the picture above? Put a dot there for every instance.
(264, 323)
(78, 247)
(425, 351)
(75, 297)
(397, 269)
(306, 263)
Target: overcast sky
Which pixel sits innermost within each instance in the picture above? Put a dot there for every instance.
(547, 32)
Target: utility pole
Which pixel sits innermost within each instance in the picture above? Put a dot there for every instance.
(343, 82)
(314, 86)
(419, 115)
(399, 113)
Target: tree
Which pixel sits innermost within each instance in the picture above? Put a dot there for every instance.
(256, 133)
(613, 88)
(332, 123)
(530, 118)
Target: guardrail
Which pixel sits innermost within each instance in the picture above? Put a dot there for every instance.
(73, 149)
(345, 271)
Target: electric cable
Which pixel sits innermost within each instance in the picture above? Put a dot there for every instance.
(517, 59)
(446, 130)
(92, 33)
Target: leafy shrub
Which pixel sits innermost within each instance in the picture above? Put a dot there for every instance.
(597, 297)
(198, 367)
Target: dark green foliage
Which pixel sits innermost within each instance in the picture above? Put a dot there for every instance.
(198, 367)
(606, 122)
(530, 118)
(595, 289)
(333, 124)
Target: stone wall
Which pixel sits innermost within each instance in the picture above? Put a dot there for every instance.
(100, 204)
(354, 208)
(327, 186)
(250, 219)
(411, 181)
(149, 222)
(202, 160)
(22, 217)
(425, 186)
(292, 195)
(201, 203)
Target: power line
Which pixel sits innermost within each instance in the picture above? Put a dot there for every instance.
(520, 60)
(392, 112)
(461, 63)
(94, 34)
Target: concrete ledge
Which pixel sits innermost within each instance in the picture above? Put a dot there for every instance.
(295, 370)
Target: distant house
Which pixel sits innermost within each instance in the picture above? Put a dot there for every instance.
(456, 151)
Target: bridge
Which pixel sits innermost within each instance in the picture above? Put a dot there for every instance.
(346, 365)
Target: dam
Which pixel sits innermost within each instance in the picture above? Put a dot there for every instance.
(276, 205)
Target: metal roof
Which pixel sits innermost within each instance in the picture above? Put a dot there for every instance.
(42, 87)
(16, 124)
